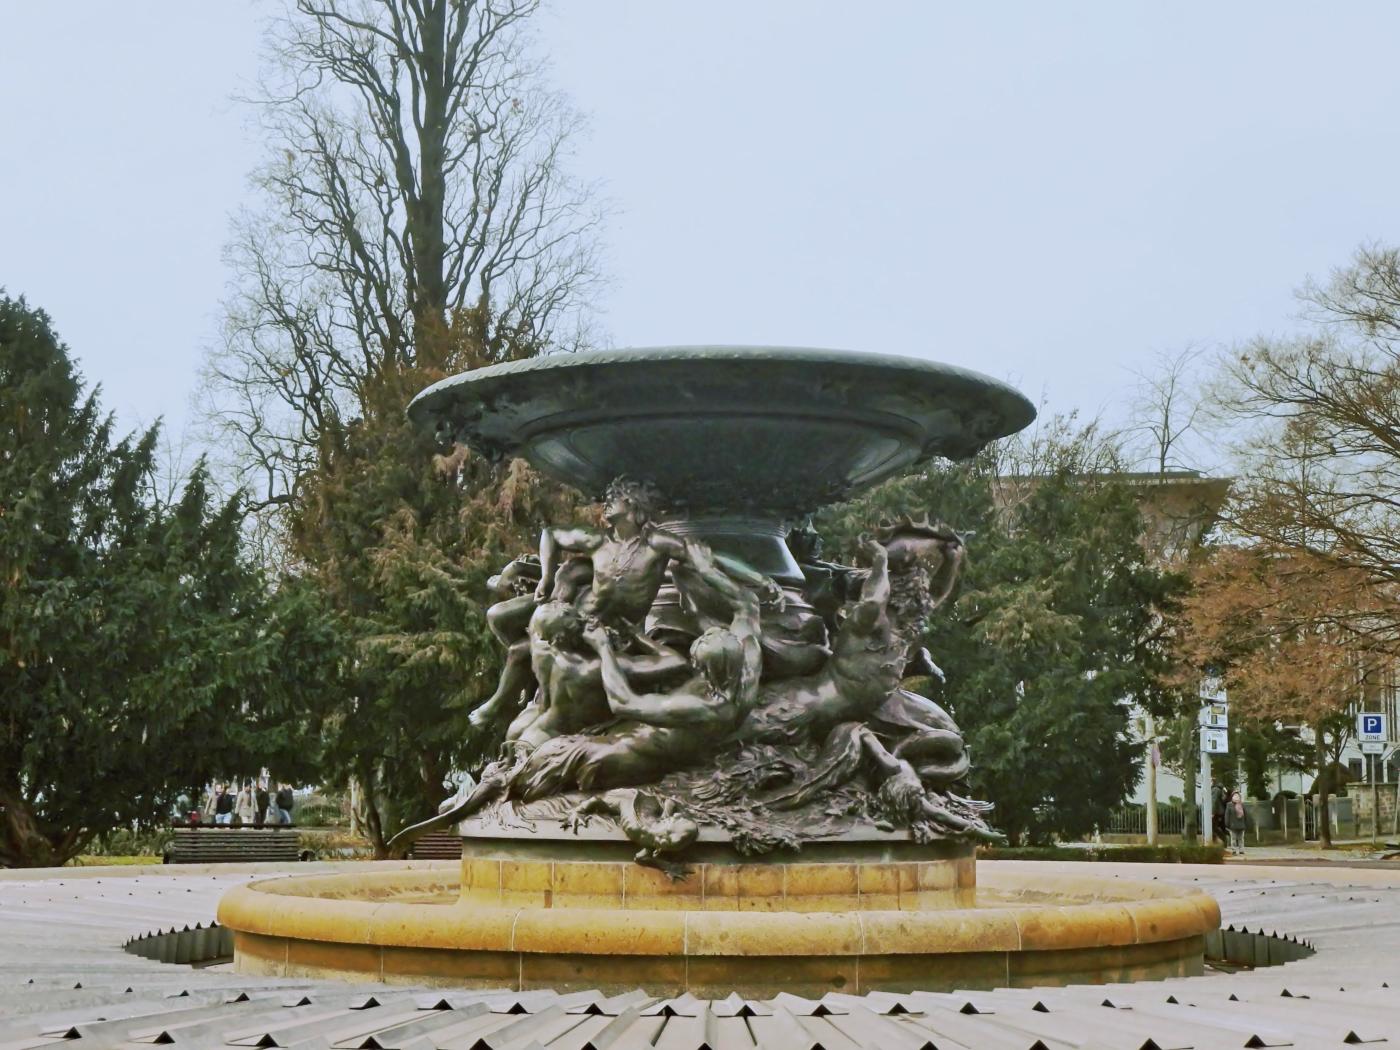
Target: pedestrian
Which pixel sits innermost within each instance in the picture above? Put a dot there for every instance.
(262, 800)
(246, 807)
(284, 803)
(1237, 821)
(1218, 827)
(220, 805)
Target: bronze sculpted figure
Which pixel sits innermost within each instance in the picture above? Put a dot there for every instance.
(665, 742)
(752, 694)
(629, 558)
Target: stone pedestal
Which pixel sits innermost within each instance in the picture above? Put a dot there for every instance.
(508, 916)
(855, 873)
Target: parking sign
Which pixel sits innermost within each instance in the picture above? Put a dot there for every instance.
(1370, 725)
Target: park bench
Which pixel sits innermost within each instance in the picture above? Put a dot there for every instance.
(438, 845)
(222, 845)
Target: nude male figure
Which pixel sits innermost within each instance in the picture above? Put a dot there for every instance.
(651, 735)
(571, 695)
(659, 733)
(630, 558)
(509, 621)
(728, 662)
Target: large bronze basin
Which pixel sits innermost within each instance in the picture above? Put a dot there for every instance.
(770, 432)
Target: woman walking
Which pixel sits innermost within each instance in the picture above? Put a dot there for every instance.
(1236, 821)
(246, 806)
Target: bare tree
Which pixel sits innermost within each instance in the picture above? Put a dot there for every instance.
(1166, 409)
(1322, 447)
(415, 174)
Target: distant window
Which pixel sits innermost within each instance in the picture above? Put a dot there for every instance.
(1358, 769)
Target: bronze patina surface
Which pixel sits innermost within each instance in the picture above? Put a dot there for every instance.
(714, 776)
(777, 431)
(677, 670)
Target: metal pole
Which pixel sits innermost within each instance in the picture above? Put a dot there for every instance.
(1375, 799)
(1207, 828)
(1151, 781)
(1395, 816)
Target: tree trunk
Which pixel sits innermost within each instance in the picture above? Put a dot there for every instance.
(1324, 789)
(1191, 762)
(428, 284)
(374, 827)
(23, 842)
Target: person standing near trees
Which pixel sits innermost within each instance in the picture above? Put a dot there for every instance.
(220, 805)
(1237, 820)
(262, 799)
(246, 806)
(284, 802)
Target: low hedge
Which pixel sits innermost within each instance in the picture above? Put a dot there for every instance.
(1191, 854)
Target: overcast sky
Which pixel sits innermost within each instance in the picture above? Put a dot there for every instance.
(1045, 192)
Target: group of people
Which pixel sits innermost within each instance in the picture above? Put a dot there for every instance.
(1229, 820)
(254, 804)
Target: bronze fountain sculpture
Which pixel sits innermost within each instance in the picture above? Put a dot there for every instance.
(679, 669)
(714, 777)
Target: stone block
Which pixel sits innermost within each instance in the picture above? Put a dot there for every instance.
(580, 884)
(772, 933)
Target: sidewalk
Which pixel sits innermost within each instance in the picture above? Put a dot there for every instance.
(1343, 851)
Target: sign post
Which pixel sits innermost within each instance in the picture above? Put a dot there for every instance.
(1150, 731)
(1215, 740)
(1371, 730)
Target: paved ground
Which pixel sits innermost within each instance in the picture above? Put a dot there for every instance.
(1343, 850)
(65, 979)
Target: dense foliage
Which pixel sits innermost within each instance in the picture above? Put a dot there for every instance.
(417, 219)
(401, 542)
(140, 654)
(1054, 630)
(1277, 627)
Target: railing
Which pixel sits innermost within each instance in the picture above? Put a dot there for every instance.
(1131, 819)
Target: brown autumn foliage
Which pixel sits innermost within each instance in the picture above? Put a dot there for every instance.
(1278, 627)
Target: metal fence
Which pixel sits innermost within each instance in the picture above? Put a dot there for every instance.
(1132, 820)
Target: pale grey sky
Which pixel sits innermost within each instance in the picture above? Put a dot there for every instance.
(1045, 192)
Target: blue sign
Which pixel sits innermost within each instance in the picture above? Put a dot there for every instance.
(1372, 726)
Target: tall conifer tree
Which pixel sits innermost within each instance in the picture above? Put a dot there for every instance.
(140, 655)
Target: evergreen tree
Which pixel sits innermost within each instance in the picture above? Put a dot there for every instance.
(401, 541)
(1054, 629)
(139, 653)
(418, 220)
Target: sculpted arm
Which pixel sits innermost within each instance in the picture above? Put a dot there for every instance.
(658, 662)
(703, 562)
(658, 709)
(875, 592)
(720, 572)
(552, 541)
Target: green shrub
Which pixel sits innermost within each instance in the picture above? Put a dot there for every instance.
(320, 811)
(125, 842)
(87, 860)
(334, 844)
(1185, 854)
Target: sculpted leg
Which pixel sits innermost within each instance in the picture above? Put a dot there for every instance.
(937, 755)
(493, 783)
(517, 679)
(906, 801)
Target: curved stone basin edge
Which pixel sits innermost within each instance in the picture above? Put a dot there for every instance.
(1097, 928)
